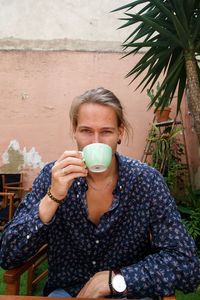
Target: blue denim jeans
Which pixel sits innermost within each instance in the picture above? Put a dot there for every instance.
(59, 293)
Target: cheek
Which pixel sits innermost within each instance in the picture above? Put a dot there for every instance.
(82, 140)
(112, 143)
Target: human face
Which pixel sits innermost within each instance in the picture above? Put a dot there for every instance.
(97, 124)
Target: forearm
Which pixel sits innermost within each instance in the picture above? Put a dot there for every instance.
(47, 209)
(96, 287)
(162, 273)
(63, 173)
(173, 264)
(26, 233)
(21, 239)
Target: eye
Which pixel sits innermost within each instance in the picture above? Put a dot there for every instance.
(107, 132)
(85, 130)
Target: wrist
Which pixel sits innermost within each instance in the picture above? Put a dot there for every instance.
(117, 283)
(54, 197)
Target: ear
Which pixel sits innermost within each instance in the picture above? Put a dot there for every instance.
(121, 132)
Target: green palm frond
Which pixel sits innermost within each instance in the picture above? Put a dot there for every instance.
(169, 34)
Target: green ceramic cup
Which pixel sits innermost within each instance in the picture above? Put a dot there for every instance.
(97, 157)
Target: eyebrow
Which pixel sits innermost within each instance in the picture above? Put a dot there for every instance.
(103, 128)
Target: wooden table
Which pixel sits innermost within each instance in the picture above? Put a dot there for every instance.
(12, 297)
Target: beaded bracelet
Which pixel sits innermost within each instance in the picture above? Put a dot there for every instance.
(52, 197)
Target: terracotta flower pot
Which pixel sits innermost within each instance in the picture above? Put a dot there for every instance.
(162, 115)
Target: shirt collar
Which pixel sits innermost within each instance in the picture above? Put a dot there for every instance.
(126, 175)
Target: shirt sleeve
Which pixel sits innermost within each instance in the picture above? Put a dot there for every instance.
(174, 263)
(25, 233)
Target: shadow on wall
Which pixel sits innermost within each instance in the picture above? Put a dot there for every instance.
(15, 160)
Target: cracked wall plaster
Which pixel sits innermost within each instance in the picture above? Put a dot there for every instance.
(15, 159)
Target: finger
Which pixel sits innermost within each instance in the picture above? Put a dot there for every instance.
(68, 165)
(83, 292)
(71, 176)
(73, 153)
(70, 169)
(69, 161)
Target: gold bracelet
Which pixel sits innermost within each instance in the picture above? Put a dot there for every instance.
(52, 197)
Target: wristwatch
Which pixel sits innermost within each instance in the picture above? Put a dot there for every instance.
(118, 284)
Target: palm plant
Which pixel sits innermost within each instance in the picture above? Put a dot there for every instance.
(168, 32)
(151, 94)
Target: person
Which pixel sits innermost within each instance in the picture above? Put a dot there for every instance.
(112, 232)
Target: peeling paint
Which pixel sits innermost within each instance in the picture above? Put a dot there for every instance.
(24, 96)
(14, 159)
(32, 158)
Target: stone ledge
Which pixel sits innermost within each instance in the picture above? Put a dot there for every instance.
(60, 45)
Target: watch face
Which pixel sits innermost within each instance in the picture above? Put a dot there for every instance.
(118, 283)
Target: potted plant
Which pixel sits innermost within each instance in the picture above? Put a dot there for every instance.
(166, 155)
(162, 114)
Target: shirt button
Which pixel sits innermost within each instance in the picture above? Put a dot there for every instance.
(77, 195)
(120, 187)
(94, 262)
(78, 183)
(97, 241)
(28, 237)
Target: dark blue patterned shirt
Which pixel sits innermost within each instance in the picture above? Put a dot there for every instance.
(142, 235)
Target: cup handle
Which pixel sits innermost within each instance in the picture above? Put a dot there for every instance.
(82, 154)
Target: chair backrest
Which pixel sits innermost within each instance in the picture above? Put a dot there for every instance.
(15, 179)
(13, 183)
(6, 208)
(12, 277)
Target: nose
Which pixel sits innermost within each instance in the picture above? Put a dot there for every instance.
(96, 138)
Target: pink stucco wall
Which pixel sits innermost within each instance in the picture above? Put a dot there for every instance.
(37, 89)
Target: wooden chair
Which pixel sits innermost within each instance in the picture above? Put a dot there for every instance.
(12, 277)
(13, 183)
(6, 208)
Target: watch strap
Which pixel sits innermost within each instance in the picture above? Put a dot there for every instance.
(114, 292)
(110, 283)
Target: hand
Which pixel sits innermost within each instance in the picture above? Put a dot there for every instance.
(68, 167)
(96, 287)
